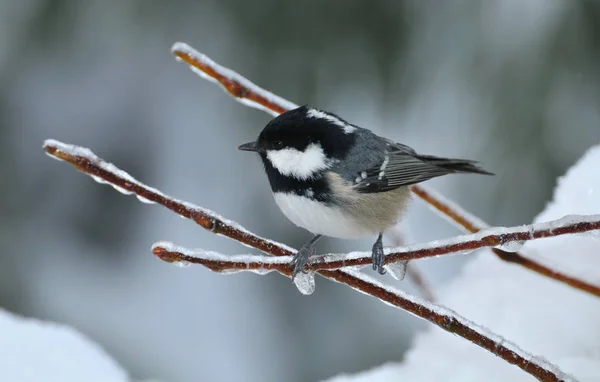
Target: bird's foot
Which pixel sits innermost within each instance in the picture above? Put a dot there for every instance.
(301, 258)
(377, 256)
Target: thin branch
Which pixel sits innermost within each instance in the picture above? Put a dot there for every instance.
(237, 86)
(103, 172)
(253, 96)
(217, 262)
(463, 244)
(471, 223)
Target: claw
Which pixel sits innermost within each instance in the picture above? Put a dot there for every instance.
(301, 258)
(377, 255)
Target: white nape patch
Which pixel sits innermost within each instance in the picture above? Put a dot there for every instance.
(319, 218)
(299, 164)
(314, 113)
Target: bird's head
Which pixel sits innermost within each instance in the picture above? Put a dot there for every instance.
(303, 142)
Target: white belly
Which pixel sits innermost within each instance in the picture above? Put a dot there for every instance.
(319, 218)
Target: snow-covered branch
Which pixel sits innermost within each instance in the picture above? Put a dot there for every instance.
(86, 161)
(470, 223)
(237, 86)
(510, 238)
(253, 96)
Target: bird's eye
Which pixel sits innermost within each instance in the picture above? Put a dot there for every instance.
(277, 145)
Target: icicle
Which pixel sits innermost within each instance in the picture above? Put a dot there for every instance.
(305, 282)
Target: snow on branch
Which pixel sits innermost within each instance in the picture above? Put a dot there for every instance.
(506, 237)
(253, 96)
(470, 223)
(86, 161)
(237, 86)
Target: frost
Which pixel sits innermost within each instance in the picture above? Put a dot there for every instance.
(397, 269)
(305, 282)
(216, 257)
(181, 264)
(232, 77)
(261, 271)
(541, 315)
(121, 190)
(511, 246)
(144, 200)
(34, 351)
(97, 178)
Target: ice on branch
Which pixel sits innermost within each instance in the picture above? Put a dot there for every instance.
(226, 264)
(542, 315)
(34, 351)
(509, 239)
(237, 86)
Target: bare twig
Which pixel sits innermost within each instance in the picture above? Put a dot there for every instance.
(85, 161)
(261, 99)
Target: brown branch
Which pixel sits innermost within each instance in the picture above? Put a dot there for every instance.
(85, 161)
(473, 224)
(237, 86)
(251, 95)
(463, 244)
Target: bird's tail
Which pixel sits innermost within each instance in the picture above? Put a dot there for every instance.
(455, 165)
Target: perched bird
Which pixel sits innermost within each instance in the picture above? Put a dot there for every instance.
(336, 179)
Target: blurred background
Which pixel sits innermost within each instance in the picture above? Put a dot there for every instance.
(514, 84)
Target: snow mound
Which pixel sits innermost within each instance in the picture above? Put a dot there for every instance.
(542, 316)
(32, 351)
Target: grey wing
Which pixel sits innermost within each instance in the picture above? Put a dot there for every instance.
(397, 170)
(402, 166)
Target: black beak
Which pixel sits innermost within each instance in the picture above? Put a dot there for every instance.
(250, 146)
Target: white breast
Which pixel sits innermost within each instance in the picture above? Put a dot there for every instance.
(319, 218)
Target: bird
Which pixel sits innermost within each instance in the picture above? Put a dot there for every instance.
(339, 180)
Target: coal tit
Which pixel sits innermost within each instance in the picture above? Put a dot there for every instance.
(336, 179)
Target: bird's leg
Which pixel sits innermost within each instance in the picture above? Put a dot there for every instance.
(377, 255)
(301, 257)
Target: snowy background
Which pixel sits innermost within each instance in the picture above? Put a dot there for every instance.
(510, 83)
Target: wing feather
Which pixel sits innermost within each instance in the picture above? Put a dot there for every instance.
(402, 166)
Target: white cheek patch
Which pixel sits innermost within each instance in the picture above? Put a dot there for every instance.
(299, 164)
(314, 113)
